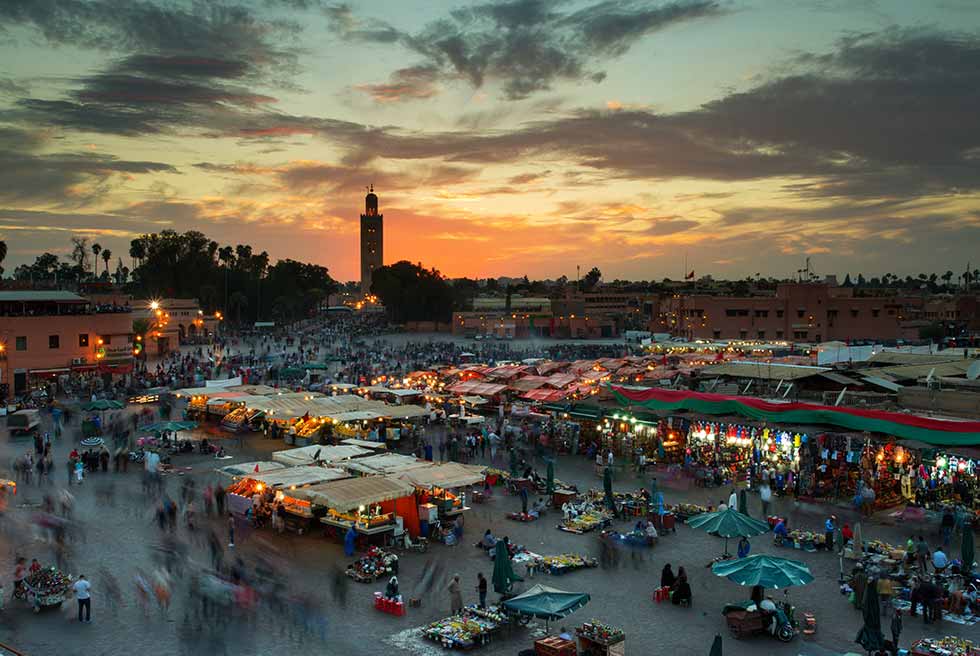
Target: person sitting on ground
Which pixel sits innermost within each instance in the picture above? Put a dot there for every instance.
(681, 592)
(651, 533)
(538, 508)
(846, 533)
(939, 560)
(722, 506)
(667, 577)
(744, 547)
(391, 590)
(780, 532)
(488, 542)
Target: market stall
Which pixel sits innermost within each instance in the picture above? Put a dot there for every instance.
(371, 504)
(473, 627)
(948, 646)
(248, 468)
(375, 564)
(281, 485)
(598, 639)
(443, 485)
(317, 454)
(384, 463)
(46, 588)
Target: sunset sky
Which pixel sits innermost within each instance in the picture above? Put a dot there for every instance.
(503, 138)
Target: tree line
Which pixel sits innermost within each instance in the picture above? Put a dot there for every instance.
(169, 264)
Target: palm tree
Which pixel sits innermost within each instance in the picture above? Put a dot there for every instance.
(947, 277)
(207, 295)
(96, 249)
(238, 301)
(137, 251)
(3, 254)
(106, 256)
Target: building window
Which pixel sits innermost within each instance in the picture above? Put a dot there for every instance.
(731, 313)
(800, 313)
(717, 334)
(54, 341)
(762, 313)
(799, 334)
(21, 343)
(779, 314)
(779, 334)
(831, 314)
(83, 340)
(742, 334)
(854, 313)
(875, 313)
(761, 334)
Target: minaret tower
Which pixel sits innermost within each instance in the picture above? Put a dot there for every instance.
(372, 240)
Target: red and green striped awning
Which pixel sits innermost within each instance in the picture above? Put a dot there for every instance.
(939, 432)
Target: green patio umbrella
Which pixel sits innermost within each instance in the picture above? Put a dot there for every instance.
(503, 571)
(551, 477)
(715, 647)
(743, 502)
(728, 523)
(159, 427)
(607, 487)
(870, 636)
(546, 603)
(966, 548)
(764, 570)
(102, 405)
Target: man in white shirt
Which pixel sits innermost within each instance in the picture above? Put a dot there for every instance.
(733, 500)
(83, 595)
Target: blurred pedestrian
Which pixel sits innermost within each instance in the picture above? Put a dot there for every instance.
(83, 595)
(455, 596)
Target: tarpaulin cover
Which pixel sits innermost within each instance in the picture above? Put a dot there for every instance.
(924, 429)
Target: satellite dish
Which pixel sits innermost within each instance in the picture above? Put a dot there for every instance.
(974, 371)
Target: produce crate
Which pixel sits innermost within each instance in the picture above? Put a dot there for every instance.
(554, 646)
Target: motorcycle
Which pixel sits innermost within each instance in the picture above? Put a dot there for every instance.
(746, 619)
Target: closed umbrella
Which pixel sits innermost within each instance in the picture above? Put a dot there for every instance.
(966, 549)
(728, 524)
(765, 571)
(503, 572)
(168, 427)
(551, 477)
(870, 636)
(743, 502)
(715, 647)
(607, 487)
(858, 546)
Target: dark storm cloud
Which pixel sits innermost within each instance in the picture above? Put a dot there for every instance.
(887, 114)
(29, 174)
(527, 45)
(201, 28)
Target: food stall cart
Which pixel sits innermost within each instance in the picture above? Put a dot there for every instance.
(587, 521)
(46, 588)
(598, 639)
(282, 485)
(435, 485)
(371, 504)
